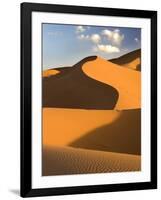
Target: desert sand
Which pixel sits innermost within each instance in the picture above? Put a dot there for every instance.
(92, 116)
(73, 124)
(93, 129)
(55, 71)
(50, 72)
(67, 160)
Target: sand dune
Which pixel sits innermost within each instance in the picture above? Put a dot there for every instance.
(56, 72)
(123, 135)
(66, 160)
(126, 81)
(92, 117)
(110, 85)
(77, 90)
(131, 60)
(106, 130)
(72, 124)
(50, 72)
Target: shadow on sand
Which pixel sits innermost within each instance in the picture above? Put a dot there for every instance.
(121, 136)
(128, 58)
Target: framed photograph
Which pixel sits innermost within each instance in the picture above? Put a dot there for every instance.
(88, 99)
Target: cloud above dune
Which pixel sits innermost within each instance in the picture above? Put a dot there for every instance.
(107, 48)
(106, 41)
(98, 46)
(95, 38)
(113, 36)
(80, 29)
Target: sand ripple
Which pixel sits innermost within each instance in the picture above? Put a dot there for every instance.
(67, 160)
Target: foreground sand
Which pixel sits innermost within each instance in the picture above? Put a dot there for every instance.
(67, 160)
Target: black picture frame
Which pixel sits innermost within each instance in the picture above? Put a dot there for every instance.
(26, 105)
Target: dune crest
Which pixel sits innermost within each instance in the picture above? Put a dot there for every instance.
(126, 81)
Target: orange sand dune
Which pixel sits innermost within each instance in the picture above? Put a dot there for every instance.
(106, 130)
(66, 160)
(133, 64)
(63, 126)
(92, 117)
(72, 88)
(55, 71)
(126, 81)
(123, 135)
(131, 60)
(50, 72)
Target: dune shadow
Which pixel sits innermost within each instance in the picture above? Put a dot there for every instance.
(138, 67)
(121, 136)
(74, 89)
(125, 59)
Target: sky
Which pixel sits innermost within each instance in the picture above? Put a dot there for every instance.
(65, 45)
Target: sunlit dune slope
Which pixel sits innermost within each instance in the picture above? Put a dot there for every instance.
(131, 60)
(65, 160)
(105, 130)
(126, 81)
(50, 72)
(56, 72)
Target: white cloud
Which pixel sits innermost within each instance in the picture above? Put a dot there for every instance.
(95, 38)
(82, 36)
(108, 48)
(114, 36)
(107, 33)
(80, 29)
(136, 39)
(117, 38)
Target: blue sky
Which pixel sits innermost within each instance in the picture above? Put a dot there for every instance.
(65, 45)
